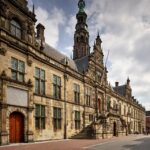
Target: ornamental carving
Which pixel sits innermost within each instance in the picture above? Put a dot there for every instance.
(4, 8)
(30, 28)
(29, 61)
(3, 51)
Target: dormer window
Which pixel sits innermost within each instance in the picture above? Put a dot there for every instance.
(15, 28)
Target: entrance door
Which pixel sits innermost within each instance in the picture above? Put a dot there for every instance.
(16, 128)
(115, 129)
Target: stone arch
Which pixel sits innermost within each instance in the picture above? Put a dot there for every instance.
(16, 109)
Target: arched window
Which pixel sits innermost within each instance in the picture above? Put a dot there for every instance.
(15, 28)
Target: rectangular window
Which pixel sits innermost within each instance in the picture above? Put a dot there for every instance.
(17, 69)
(76, 93)
(57, 118)
(88, 94)
(40, 117)
(120, 108)
(15, 28)
(124, 110)
(108, 103)
(56, 87)
(39, 81)
(91, 118)
(77, 120)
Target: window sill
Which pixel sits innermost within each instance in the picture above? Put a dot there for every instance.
(42, 95)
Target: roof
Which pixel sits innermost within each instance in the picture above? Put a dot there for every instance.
(147, 113)
(56, 55)
(82, 64)
(120, 89)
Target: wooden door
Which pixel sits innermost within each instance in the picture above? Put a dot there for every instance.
(115, 129)
(16, 128)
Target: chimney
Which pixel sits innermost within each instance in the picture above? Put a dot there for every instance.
(40, 32)
(117, 84)
(128, 81)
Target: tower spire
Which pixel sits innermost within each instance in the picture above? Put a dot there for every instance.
(81, 36)
(33, 9)
(81, 5)
(98, 40)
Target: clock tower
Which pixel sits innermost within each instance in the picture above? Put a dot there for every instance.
(81, 36)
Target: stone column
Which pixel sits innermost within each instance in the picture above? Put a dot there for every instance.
(30, 115)
(3, 114)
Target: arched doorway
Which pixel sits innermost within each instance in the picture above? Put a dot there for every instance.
(16, 128)
(114, 129)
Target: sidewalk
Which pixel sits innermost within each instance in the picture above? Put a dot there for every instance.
(63, 144)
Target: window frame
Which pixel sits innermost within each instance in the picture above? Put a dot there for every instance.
(88, 96)
(76, 93)
(40, 117)
(57, 118)
(18, 72)
(56, 87)
(77, 120)
(39, 89)
(91, 117)
(15, 28)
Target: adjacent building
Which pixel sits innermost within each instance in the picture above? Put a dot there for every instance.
(148, 122)
(45, 95)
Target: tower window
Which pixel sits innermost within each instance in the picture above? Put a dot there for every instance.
(77, 39)
(15, 28)
(86, 39)
(81, 19)
(82, 39)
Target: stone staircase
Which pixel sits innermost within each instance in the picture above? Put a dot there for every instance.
(86, 133)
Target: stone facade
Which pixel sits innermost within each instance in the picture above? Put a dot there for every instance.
(104, 112)
(148, 122)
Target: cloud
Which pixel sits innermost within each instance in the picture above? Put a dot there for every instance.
(52, 20)
(125, 31)
(70, 27)
(68, 51)
(30, 5)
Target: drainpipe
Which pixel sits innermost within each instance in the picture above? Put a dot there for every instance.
(65, 101)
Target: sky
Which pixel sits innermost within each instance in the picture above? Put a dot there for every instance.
(124, 27)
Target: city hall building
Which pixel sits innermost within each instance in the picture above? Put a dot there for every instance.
(44, 95)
